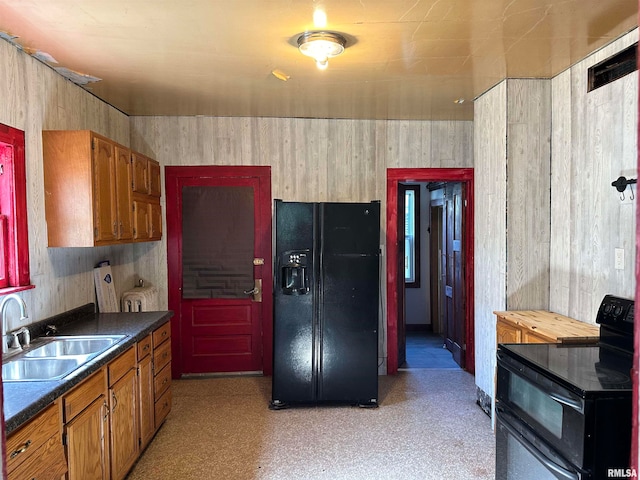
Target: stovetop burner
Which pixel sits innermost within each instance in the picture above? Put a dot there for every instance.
(611, 379)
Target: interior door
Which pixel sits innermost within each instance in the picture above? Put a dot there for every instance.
(402, 320)
(219, 251)
(454, 295)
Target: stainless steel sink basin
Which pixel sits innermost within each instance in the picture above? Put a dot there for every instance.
(69, 346)
(56, 358)
(25, 369)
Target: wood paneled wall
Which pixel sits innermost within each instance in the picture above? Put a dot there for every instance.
(35, 98)
(548, 219)
(512, 160)
(594, 142)
(490, 145)
(310, 159)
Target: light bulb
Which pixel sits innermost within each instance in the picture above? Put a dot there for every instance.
(322, 63)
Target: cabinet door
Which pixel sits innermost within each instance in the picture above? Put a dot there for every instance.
(154, 178)
(507, 333)
(123, 193)
(140, 174)
(141, 224)
(87, 443)
(124, 426)
(104, 190)
(155, 220)
(146, 399)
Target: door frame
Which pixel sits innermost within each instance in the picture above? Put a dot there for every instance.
(173, 175)
(401, 175)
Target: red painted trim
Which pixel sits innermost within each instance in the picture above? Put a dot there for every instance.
(174, 177)
(16, 199)
(395, 176)
(636, 331)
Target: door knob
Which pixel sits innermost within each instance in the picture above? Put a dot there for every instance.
(256, 291)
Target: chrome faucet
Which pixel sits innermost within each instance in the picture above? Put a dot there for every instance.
(23, 316)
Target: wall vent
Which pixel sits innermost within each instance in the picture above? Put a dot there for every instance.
(613, 68)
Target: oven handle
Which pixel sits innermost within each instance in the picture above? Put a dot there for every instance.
(565, 401)
(551, 390)
(541, 457)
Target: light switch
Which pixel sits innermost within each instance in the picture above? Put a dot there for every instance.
(619, 259)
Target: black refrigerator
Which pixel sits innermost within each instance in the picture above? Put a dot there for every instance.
(326, 299)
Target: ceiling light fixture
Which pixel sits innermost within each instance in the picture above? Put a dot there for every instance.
(321, 46)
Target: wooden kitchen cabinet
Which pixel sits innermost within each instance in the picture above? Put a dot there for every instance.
(541, 326)
(87, 442)
(146, 397)
(147, 212)
(507, 332)
(162, 372)
(146, 175)
(87, 181)
(35, 450)
(123, 406)
(91, 183)
(86, 429)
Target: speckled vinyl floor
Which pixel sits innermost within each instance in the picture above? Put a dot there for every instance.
(428, 426)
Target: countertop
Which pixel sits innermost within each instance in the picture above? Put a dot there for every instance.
(23, 400)
(553, 325)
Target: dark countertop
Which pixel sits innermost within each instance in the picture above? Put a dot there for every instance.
(23, 400)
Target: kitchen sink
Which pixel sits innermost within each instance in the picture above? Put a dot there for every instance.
(56, 358)
(69, 346)
(25, 369)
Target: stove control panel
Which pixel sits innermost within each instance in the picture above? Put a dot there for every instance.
(616, 312)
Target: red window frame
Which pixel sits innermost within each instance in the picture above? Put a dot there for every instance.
(14, 240)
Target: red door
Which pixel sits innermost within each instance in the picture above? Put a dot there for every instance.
(219, 266)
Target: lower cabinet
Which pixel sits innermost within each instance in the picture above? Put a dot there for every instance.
(145, 392)
(106, 420)
(35, 450)
(86, 429)
(87, 447)
(123, 422)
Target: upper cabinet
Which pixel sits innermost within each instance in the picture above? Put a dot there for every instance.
(92, 186)
(147, 214)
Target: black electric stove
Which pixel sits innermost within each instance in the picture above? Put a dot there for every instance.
(567, 407)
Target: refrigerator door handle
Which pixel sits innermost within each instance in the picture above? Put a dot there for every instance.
(256, 291)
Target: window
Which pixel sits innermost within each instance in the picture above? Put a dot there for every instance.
(14, 242)
(412, 236)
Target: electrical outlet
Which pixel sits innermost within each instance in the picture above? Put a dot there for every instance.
(619, 259)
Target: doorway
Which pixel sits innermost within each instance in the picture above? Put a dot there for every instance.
(455, 298)
(219, 267)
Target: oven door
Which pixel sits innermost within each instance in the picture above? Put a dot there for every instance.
(553, 412)
(521, 455)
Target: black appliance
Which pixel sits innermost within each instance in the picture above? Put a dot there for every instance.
(565, 410)
(326, 297)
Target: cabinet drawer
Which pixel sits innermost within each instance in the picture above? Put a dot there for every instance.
(162, 381)
(121, 365)
(32, 436)
(144, 347)
(83, 395)
(161, 356)
(163, 407)
(46, 463)
(161, 334)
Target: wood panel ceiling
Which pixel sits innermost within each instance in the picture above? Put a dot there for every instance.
(405, 59)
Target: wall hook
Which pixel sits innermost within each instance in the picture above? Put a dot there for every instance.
(621, 185)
